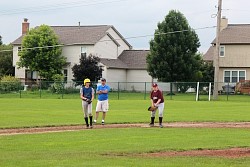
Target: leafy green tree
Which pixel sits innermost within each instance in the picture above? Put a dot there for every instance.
(207, 70)
(88, 67)
(6, 61)
(40, 52)
(172, 56)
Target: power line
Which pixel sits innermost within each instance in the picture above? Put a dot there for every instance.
(132, 37)
(57, 6)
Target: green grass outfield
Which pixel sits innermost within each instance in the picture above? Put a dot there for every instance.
(104, 147)
(50, 112)
(44, 94)
(117, 147)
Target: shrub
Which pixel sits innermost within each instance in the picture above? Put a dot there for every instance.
(10, 83)
(58, 85)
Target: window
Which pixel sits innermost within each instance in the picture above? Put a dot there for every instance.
(242, 75)
(222, 51)
(65, 74)
(227, 76)
(83, 51)
(234, 76)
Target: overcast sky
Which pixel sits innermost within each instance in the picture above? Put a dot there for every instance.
(130, 17)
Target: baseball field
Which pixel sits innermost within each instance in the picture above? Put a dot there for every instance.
(195, 134)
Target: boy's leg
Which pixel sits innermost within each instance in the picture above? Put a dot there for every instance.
(103, 117)
(85, 112)
(98, 108)
(105, 107)
(161, 109)
(90, 114)
(152, 118)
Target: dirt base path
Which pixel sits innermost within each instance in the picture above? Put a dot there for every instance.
(16, 131)
(227, 153)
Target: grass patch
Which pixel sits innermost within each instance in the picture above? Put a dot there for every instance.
(53, 112)
(87, 148)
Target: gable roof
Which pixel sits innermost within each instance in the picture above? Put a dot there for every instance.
(70, 35)
(235, 34)
(208, 56)
(129, 59)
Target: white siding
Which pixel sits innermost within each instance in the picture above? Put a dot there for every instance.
(138, 76)
(73, 54)
(19, 73)
(114, 76)
(123, 45)
(106, 48)
(15, 55)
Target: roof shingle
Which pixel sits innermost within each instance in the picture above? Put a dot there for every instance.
(235, 34)
(129, 59)
(76, 34)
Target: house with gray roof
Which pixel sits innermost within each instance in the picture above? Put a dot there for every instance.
(234, 53)
(119, 61)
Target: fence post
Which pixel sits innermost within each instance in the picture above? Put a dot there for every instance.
(145, 91)
(209, 91)
(227, 90)
(118, 90)
(171, 91)
(40, 90)
(197, 91)
(63, 89)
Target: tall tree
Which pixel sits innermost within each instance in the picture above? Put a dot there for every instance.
(88, 67)
(172, 56)
(6, 61)
(40, 52)
(207, 70)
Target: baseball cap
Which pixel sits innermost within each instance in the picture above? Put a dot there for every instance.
(103, 79)
(154, 85)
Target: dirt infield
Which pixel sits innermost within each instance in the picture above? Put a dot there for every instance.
(227, 153)
(16, 131)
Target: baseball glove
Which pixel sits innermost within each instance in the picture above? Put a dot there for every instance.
(88, 101)
(152, 108)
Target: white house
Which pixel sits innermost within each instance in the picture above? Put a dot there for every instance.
(120, 62)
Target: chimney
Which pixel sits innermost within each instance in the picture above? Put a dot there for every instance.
(25, 26)
(224, 23)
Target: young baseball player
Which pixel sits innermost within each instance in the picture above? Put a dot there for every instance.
(102, 103)
(87, 96)
(157, 100)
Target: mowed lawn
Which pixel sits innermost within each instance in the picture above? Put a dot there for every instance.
(119, 146)
(16, 112)
(122, 147)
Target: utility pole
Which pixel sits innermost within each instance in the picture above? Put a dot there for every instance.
(217, 52)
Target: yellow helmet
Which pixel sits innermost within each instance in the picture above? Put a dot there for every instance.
(86, 80)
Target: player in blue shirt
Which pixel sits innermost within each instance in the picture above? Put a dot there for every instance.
(102, 102)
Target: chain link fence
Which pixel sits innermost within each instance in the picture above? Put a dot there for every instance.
(186, 91)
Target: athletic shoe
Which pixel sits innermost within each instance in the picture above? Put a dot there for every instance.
(151, 125)
(94, 121)
(161, 126)
(87, 125)
(91, 126)
(102, 122)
